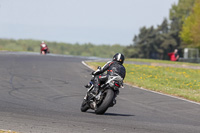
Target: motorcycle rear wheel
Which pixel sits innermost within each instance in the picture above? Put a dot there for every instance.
(107, 101)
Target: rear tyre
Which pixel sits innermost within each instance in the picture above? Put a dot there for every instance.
(84, 106)
(107, 101)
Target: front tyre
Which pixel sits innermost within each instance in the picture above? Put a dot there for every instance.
(84, 106)
(107, 101)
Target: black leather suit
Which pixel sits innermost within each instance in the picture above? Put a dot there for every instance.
(113, 68)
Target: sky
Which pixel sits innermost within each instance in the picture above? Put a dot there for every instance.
(80, 21)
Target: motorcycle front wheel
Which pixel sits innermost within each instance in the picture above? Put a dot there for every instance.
(107, 101)
(84, 106)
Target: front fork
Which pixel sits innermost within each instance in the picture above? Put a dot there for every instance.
(91, 87)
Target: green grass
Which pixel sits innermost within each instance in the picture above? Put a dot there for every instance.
(7, 131)
(162, 61)
(179, 82)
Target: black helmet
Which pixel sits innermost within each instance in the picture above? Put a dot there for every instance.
(119, 58)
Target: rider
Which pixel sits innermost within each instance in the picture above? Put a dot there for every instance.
(114, 67)
(44, 48)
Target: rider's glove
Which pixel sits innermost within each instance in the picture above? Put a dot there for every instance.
(93, 73)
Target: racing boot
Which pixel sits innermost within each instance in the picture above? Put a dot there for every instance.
(89, 85)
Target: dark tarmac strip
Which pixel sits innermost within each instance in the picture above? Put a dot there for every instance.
(43, 94)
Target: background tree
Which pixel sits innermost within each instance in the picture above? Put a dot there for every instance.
(157, 42)
(178, 14)
(87, 49)
(190, 33)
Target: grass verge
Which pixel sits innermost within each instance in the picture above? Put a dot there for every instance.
(179, 82)
(7, 131)
(163, 61)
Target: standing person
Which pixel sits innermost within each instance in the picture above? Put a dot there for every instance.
(44, 48)
(174, 56)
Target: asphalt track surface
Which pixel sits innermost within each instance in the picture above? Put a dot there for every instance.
(43, 94)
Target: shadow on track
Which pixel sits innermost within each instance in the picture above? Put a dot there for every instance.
(114, 114)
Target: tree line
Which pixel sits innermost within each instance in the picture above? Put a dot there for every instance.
(86, 49)
(181, 31)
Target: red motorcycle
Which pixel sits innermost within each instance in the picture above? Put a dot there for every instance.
(44, 49)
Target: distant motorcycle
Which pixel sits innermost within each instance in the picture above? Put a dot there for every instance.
(106, 96)
(44, 50)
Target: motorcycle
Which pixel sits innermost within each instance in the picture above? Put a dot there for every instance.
(44, 50)
(106, 96)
